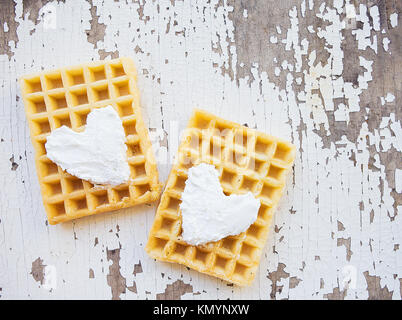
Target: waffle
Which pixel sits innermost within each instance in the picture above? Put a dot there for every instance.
(246, 160)
(65, 97)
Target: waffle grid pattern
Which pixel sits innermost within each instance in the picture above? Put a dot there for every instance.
(247, 160)
(65, 97)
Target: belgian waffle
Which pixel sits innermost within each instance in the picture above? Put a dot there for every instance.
(66, 96)
(247, 160)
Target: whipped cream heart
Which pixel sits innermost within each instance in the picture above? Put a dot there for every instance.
(98, 154)
(207, 213)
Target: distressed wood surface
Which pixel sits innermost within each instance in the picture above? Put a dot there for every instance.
(323, 74)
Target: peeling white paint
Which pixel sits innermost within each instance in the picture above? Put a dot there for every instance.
(338, 5)
(311, 4)
(363, 35)
(350, 11)
(385, 43)
(389, 97)
(273, 39)
(393, 18)
(303, 8)
(375, 15)
(398, 180)
(306, 233)
(341, 114)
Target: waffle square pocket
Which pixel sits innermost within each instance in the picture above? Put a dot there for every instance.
(247, 160)
(65, 97)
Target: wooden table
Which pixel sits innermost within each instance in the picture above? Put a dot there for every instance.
(325, 75)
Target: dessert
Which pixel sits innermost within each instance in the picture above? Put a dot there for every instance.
(66, 96)
(247, 160)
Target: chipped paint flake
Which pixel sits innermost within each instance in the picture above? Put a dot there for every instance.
(389, 97)
(398, 180)
(363, 35)
(393, 19)
(375, 15)
(273, 39)
(385, 43)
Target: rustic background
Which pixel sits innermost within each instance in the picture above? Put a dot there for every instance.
(323, 74)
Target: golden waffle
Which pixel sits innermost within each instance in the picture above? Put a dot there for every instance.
(247, 160)
(65, 97)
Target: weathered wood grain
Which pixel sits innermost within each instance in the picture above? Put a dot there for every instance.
(309, 71)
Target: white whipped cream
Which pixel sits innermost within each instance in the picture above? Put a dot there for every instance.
(98, 154)
(207, 213)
